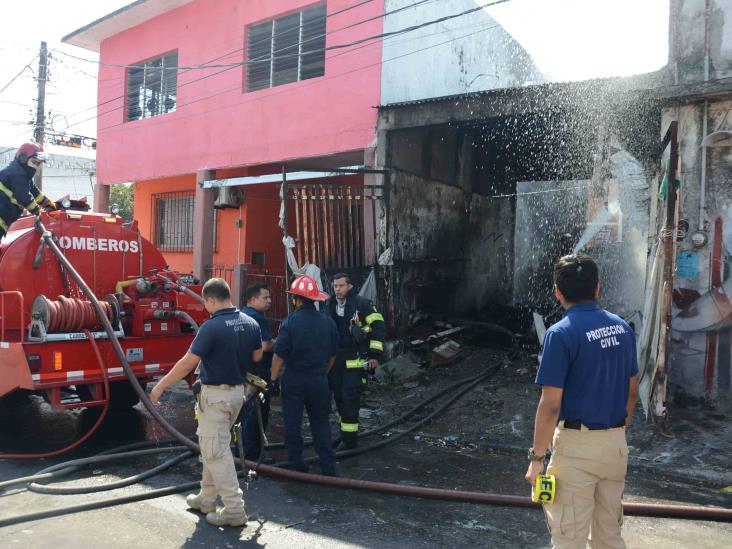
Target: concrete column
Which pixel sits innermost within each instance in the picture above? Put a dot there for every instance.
(238, 285)
(203, 220)
(101, 198)
(369, 209)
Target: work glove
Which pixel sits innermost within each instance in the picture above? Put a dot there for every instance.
(50, 205)
(274, 388)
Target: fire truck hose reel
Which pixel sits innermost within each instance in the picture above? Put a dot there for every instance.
(65, 314)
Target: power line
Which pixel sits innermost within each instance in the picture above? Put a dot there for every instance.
(205, 66)
(238, 64)
(14, 103)
(26, 66)
(304, 83)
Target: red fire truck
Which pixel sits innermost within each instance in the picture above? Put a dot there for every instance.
(45, 319)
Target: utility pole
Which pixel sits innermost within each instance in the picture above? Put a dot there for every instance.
(40, 128)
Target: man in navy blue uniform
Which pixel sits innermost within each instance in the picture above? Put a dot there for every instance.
(306, 347)
(226, 346)
(17, 191)
(259, 301)
(589, 390)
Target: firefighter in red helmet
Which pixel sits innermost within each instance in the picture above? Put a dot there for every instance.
(17, 191)
(304, 353)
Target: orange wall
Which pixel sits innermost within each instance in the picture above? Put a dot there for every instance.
(262, 222)
(259, 229)
(229, 237)
(181, 262)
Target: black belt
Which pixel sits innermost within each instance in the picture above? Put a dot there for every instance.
(577, 425)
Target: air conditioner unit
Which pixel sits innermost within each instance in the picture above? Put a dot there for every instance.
(228, 197)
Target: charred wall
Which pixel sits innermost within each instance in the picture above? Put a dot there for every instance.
(454, 168)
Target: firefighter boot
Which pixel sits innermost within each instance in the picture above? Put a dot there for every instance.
(196, 502)
(221, 518)
(349, 441)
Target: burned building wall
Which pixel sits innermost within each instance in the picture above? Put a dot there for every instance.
(489, 266)
(451, 246)
(456, 224)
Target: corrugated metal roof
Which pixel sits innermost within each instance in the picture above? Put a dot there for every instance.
(631, 83)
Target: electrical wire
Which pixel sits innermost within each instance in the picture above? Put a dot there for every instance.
(205, 66)
(259, 60)
(26, 66)
(287, 89)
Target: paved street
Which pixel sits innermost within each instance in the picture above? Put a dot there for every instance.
(286, 514)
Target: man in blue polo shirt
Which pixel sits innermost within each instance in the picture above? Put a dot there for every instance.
(259, 301)
(304, 354)
(226, 345)
(589, 390)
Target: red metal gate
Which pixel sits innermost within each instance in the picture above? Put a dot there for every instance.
(334, 225)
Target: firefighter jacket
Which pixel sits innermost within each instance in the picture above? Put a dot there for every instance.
(360, 313)
(17, 193)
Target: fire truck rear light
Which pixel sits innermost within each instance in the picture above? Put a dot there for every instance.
(34, 362)
(58, 361)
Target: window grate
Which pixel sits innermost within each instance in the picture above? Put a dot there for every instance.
(173, 221)
(287, 49)
(152, 87)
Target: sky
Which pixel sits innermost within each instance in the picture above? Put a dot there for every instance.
(72, 84)
(583, 39)
(568, 40)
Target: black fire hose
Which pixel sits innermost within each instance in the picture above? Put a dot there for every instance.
(139, 449)
(669, 511)
(395, 421)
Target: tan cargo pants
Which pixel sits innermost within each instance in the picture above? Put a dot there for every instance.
(590, 469)
(218, 407)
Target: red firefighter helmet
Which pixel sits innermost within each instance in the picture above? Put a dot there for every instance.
(29, 150)
(306, 287)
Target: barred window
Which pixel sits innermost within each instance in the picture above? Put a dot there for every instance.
(173, 217)
(287, 49)
(152, 87)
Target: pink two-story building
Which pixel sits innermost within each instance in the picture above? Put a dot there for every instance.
(204, 101)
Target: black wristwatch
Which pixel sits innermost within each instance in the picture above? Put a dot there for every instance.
(533, 457)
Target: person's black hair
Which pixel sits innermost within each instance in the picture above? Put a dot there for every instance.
(343, 275)
(254, 290)
(216, 288)
(576, 276)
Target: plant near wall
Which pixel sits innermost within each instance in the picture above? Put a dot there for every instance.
(123, 195)
(390, 376)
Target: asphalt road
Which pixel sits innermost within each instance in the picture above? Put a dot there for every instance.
(287, 514)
